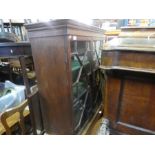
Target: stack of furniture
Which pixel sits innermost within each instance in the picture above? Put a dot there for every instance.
(10, 54)
(12, 31)
(129, 67)
(16, 61)
(67, 55)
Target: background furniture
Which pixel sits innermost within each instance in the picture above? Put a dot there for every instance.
(14, 49)
(129, 68)
(19, 68)
(66, 57)
(111, 34)
(11, 50)
(12, 30)
(23, 67)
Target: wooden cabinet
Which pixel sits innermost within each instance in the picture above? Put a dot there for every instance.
(129, 66)
(66, 56)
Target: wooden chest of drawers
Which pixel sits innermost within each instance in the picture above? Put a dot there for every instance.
(129, 67)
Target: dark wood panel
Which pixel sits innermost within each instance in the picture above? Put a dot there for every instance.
(112, 98)
(137, 104)
(49, 78)
(129, 59)
(130, 103)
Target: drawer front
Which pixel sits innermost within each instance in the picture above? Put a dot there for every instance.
(14, 50)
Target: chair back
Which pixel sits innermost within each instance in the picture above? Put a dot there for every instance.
(33, 102)
(10, 112)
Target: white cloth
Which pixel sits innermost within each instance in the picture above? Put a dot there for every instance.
(14, 98)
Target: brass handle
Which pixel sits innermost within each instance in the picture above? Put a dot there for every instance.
(11, 51)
